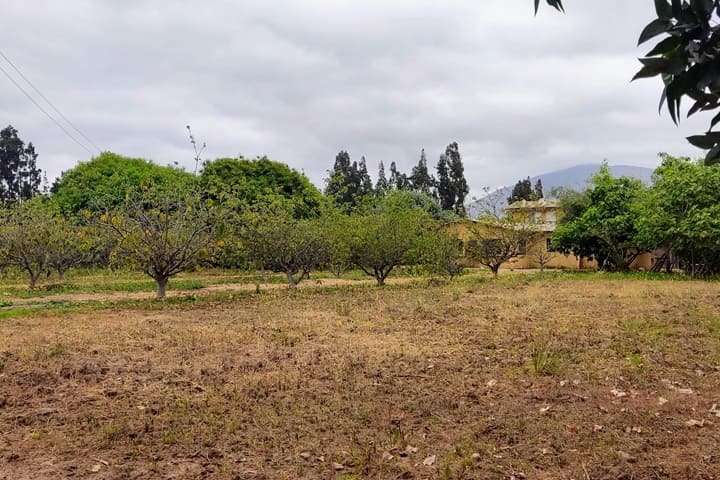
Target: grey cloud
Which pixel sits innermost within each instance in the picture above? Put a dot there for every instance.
(299, 80)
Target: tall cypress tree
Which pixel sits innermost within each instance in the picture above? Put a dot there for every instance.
(366, 186)
(20, 178)
(381, 187)
(444, 185)
(420, 179)
(459, 184)
(344, 184)
(538, 190)
(398, 181)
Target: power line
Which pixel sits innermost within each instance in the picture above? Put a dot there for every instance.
(44, 111)
(49, 102)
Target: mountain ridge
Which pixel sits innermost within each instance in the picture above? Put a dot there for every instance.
(575, 177)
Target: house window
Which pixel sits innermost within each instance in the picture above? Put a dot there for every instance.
(548, 245)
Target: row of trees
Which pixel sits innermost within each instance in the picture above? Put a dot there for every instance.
(349, 183)
(616, 219)
(162, 235)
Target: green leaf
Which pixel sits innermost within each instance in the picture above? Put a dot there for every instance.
(665, 46)
(646, 72)
(653, 29)
(663, 9)
(713, 156)
(706, 141)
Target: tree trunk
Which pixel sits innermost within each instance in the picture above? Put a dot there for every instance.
(161, 285)
(61, 274)
(495, 269)
(542, 268)
(33, 280)
(292, 284)
(380, 280)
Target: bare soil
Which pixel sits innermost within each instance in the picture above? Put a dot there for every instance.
(547, 379)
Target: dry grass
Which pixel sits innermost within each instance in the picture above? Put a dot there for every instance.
(584, 379)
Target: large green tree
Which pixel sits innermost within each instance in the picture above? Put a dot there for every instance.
(681, 214)
(20, 178)
(105, 182)
(347, 183)
(606, 229)
(241, 183)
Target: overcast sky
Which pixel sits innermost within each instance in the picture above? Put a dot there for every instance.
(300, 80)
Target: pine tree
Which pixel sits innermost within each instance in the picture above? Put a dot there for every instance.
(344, 185)
(459, 184)
(444, 185)
(398, 181)
(538, 190)
(381, 187)
(524, 190)
(366, 186)
(20, 179)
(420, 179)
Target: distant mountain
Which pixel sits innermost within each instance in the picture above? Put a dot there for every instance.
(575, 177)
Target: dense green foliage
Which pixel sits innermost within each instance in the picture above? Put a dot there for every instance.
(681, 214)
(240, 183)
(105, 182)
(606, 229)
(19, 176)
(524, 190)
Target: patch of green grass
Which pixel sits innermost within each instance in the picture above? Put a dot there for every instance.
(636, 360)
(544, 359)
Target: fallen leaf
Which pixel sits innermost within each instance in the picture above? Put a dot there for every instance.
(636, 429)
(95, 468)
(695, 423)
(386, 457)
(430, 461)
(686, 391)
(338, 466)
(563, 383)
(598, 428)
(476, 456)
(715, 411)
(662, 401)
(618, 393)
(305, 455)
(491, 383)
(626, 456)
(545, 409)
(411, 450)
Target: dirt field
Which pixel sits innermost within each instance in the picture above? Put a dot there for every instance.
(547, 379)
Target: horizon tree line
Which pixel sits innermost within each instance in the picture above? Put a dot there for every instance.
(349, 183)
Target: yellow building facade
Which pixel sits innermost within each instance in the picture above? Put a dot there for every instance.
(542, 216)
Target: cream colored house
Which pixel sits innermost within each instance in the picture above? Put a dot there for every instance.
(543, 216)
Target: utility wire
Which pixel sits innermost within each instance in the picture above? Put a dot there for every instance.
(49, 102)
(44, 111)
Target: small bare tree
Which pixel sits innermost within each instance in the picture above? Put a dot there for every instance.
(163, 236)
(442, 253)
(542, 256)
(497, 238)
(27, 237)
(496, 241)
